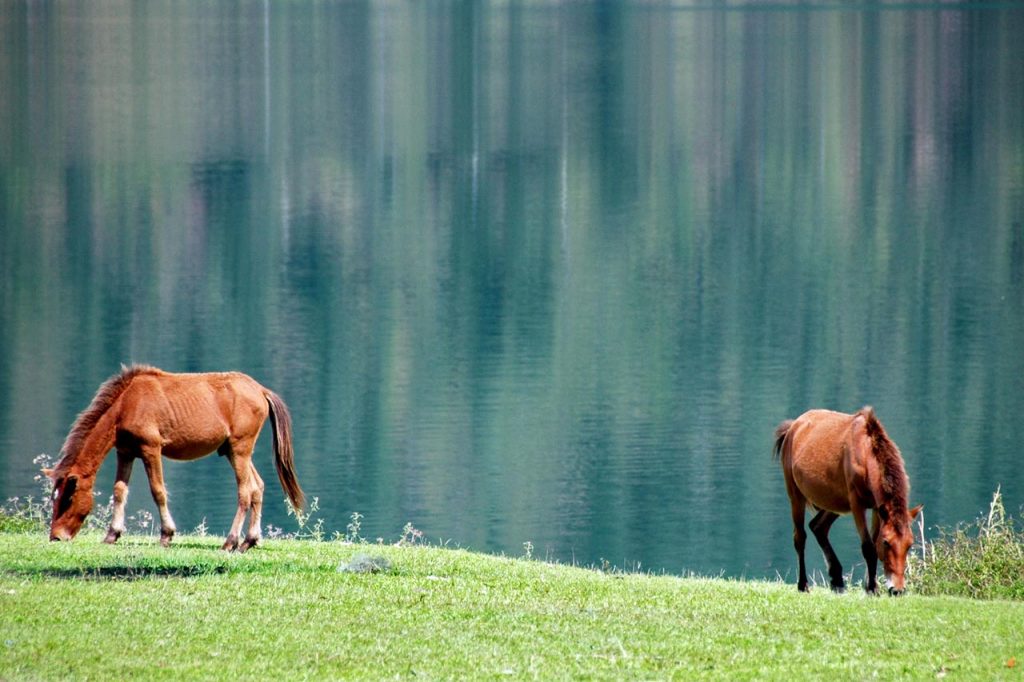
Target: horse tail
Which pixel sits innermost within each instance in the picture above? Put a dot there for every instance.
(281, 424)
(781, 431)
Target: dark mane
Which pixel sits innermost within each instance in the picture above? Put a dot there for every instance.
(109, 392)
(895, 487)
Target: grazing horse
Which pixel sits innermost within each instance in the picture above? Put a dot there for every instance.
(147, 413)
(845, 463)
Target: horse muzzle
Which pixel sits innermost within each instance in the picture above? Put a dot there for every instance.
(60, 536)
(893, 590)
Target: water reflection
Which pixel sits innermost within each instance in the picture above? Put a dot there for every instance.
(546, 274)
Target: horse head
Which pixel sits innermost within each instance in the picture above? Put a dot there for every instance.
(72, 502)
(895, 537)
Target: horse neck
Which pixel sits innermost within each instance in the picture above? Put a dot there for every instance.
(95, 446)
(892, 484)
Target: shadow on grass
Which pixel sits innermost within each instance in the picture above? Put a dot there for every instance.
(120, 572)
(187, 544)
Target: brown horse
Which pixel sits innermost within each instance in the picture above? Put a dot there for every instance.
(845, 463)
(147, 413)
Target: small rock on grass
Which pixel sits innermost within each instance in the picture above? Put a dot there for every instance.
(364, 563)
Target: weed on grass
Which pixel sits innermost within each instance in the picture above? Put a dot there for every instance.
(352, 529)
(30, 514)
(983, 560)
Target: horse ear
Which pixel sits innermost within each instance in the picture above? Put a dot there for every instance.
(47, 472)
(915, 511)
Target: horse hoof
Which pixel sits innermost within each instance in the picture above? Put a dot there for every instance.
(248, 544)
(165, 540)
(111, 538)
(839, 589)
(230, 545)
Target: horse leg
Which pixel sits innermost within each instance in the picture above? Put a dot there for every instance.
(239, 453)
(820, 526)
(255, 534)
(867, 547)
(152, 459)
(797, 507)
(124, 472)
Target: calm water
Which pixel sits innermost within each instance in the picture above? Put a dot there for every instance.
(525, 274)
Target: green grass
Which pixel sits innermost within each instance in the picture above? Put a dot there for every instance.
(87, 610)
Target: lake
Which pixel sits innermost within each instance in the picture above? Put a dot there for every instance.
(526, 273)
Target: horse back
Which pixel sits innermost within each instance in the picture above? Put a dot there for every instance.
(825, 458)
(191, 415)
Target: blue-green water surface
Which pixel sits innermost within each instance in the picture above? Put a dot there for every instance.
(526, 272)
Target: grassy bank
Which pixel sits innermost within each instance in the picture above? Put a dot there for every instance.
(285, 610)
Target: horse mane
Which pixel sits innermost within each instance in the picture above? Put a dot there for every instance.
(895, 487)
(108, 393)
